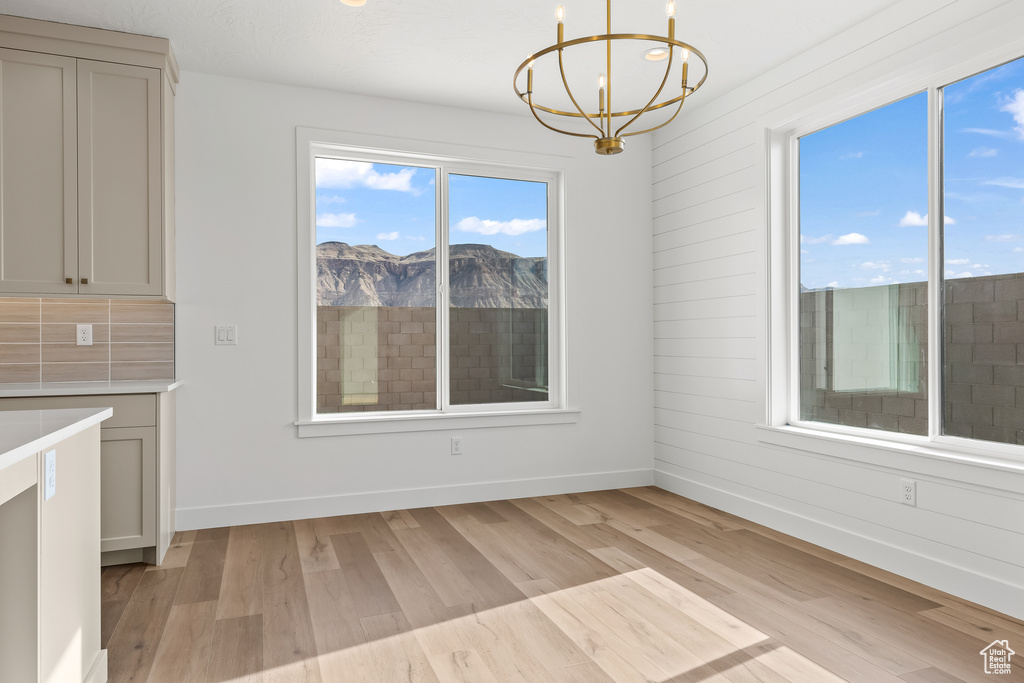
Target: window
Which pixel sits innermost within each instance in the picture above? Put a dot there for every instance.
(862, 303)
(432, 286)
(905, 322)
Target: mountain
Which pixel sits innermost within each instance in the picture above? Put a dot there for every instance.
(480, 277)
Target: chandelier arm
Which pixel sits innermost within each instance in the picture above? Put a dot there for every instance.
(682, 98)
(529, 101)
(694, 52)
(668, 69)
(608, 48)
(565, 84)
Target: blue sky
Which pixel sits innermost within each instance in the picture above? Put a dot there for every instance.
(393, 207)
(864, 194)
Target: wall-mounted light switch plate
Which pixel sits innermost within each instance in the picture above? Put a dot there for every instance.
(83, 335)
(49, 474)
(225, 335)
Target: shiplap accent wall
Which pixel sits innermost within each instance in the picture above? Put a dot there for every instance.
(711, 278)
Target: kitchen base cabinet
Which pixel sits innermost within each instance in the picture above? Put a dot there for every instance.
(137, 471)
(128, 489)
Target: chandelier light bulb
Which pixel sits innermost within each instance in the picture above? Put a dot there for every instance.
(600, 81)
(559, 13)
(685, 55)
(670, 8)
(353, 3)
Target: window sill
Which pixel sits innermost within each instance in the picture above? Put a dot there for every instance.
(394, 424)
(973, 465)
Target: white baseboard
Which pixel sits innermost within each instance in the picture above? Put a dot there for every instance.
(98, 672)
(959, 581)
(378, 501)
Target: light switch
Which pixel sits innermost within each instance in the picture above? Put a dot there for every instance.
(226, 335)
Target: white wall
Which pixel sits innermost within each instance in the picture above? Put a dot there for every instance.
(239, 459)
(966, 536)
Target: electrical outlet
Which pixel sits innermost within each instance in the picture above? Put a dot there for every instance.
(456, 445)
(908, 492)
(49, 474)
(83, 335)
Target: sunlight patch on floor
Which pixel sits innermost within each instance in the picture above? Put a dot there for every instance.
(636, 626)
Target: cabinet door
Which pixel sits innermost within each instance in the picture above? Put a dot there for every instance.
(120, 229)
(127, 488)
(38, 174)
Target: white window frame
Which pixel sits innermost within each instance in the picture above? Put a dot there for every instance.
(779, 143)
(310, 144)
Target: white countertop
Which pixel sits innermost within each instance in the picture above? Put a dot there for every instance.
(26, 432)
(87, 388)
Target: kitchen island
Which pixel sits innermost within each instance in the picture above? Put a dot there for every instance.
(50, 546)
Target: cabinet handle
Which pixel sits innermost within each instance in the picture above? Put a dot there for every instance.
(85, 280)
(68, 281)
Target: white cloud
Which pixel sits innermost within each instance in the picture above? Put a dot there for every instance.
(1018, 250)
(336, 220)
(387, 235)
(989, 131)
(851, 238)
(914, 219)
(852, 155)
(919, 272)
(984, 152)
(804, 251)
(876, 265)
(804, 239)
(833, 284)
(883, 280)
(916, 259)
(516, 226)
(966, 273)
(340, 174)
(957, 261)
(1000, 238)
(1015, 183)
(1016, 107)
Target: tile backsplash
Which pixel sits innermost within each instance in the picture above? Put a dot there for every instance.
(131, 340)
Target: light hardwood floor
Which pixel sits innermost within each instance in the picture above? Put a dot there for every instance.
(625, 585)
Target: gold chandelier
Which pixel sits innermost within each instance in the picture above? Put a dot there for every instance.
(605, 140)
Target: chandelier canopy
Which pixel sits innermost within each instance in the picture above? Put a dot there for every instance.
(607, 125)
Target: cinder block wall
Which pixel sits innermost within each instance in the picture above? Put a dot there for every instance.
(983, 330)
(384, 358)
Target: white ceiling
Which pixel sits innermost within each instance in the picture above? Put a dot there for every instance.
(452, 52)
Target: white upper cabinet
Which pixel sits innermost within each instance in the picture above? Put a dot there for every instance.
(86, 163)
(119, 179)
(38, 173)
